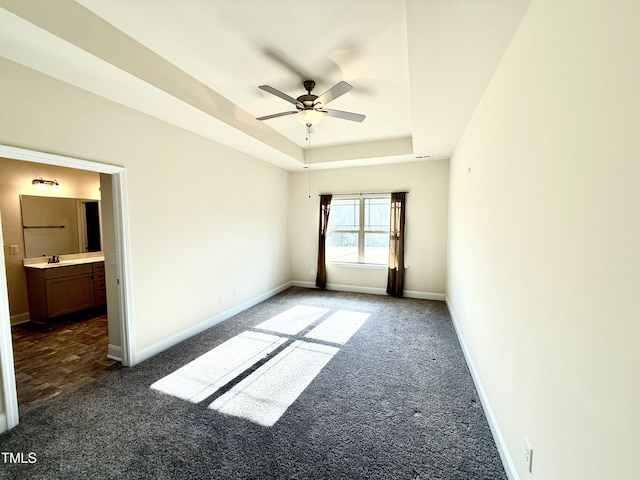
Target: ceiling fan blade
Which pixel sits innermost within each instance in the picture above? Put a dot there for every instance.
(278, 93)
(334, 92)
(276, 115)
(286, 62)
(354, 117)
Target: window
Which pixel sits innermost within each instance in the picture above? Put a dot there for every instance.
(358, 230)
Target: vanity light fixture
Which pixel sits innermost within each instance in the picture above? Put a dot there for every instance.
(42, 184)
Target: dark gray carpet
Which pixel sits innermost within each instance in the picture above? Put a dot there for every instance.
(396, 402)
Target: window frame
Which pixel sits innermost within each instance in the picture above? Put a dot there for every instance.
(361, 229)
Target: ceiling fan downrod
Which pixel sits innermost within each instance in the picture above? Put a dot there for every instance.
(307, 102)
(309, 85)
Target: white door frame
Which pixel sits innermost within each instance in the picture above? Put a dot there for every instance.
(121, 221)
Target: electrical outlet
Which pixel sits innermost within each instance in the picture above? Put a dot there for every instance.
(235, 293)
(13, 249)
(527, 453)
(313, 272)
(222, 298)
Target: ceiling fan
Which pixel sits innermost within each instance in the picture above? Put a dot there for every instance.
(310, 108)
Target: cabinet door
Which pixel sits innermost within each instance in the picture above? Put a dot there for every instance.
(69, 294)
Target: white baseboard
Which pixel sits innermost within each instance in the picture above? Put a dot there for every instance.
(299, 283)
(507, 461)
(148, 352)
(20, 318)
(371, 290)
(342, 288)
(424, 295)
(114, 353)
(356, 289)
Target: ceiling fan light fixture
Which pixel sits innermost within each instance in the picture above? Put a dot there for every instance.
(309, 116)
(311, 108)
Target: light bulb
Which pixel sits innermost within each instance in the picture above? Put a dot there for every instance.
(310, 116)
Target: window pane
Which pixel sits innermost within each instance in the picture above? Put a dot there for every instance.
(376, 248)
(341, 246)
(376, 213)
(344, 215)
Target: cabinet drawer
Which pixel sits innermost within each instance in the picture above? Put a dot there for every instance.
(99, 285)
(101, 297)
(98, 276)
(58, 272)
(98, 267)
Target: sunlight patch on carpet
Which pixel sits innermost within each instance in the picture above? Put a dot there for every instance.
(268, 392)
(256, 387)
(202, 377)
(339, 327)
(293, 320)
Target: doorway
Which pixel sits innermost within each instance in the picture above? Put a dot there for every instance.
(117, 258)
(89, 218)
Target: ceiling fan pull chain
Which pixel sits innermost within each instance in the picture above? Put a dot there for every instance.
(309, 155)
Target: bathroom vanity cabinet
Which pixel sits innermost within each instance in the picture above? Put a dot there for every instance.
(57, 289)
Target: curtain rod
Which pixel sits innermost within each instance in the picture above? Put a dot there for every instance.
(359, 194)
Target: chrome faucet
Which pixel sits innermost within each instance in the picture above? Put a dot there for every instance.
(54, 259)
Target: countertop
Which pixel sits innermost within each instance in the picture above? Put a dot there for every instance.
(65, 260)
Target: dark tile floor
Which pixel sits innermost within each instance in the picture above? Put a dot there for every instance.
(59, 357)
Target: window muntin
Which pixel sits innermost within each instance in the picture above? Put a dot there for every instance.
(358, 230)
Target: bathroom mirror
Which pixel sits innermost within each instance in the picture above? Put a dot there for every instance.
(59, 226)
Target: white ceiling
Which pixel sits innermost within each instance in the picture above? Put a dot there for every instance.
(418, 67)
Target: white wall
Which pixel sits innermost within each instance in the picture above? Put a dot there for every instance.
(426, 223)
(201, 215)
(544, 235)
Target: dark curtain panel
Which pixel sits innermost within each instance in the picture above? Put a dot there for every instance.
(325, 205)
(395, 281)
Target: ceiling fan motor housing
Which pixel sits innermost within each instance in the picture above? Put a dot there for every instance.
(306, 101)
